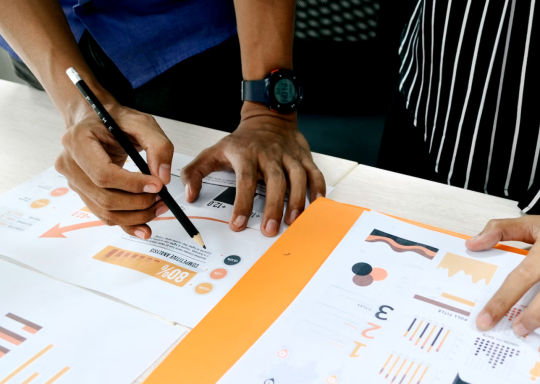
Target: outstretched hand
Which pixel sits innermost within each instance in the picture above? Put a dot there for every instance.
(519, 281)
(265, 146)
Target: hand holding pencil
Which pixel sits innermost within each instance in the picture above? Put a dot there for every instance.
(109, 189)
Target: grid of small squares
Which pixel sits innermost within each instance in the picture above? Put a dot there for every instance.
(513, 313)
(496, 352)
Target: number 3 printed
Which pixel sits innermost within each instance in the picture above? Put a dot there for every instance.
(382, 312)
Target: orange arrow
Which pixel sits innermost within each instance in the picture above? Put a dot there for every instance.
(58, 232)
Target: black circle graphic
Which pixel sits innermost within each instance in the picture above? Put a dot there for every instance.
(362, 269)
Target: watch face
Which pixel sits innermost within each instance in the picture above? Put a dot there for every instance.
(284, 91)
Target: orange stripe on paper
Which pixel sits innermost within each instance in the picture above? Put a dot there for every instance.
(256, 301)
(26, 364)
(31, 378)
(160, 269)
(57, 376)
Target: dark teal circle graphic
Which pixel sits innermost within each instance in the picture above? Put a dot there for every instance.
(232, 260)
(362, 269)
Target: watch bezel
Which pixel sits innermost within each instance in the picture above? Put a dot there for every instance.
(273, 103)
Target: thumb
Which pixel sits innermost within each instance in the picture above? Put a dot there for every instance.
(193, 173)
(520, 229)
(149, 135)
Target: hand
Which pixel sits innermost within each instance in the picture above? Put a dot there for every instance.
(92, 162)
(265, 146)
(519, 281)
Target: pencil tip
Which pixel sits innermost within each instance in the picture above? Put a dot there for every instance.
(199, 240)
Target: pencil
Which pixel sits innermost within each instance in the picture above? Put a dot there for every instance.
(122, 139)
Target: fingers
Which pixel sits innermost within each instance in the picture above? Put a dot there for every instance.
(521, 229)
(193, 174)
(276, 186)
(107, 199)
(317, 186)
(246, 185)
(89, 155)
(141, 231)
(149, 135)
(517, 283)
(297, 190)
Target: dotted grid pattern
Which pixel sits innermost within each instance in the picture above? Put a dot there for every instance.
(337, 20)
(492, 353)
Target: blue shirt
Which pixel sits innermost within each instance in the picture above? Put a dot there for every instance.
(144, 38)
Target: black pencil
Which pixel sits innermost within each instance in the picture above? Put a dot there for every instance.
(122, 139)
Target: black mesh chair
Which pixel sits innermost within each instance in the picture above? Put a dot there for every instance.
(346, 53)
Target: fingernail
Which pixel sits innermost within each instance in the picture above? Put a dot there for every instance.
(271, 227)
(318, 195)
(520, 330)
(188, 190)
(150, 188)
(139, 234)
(474, 238)
(158, 197)
(161, 210)
(239, 221)
(294, 215)
(165, 172)
(485, 321)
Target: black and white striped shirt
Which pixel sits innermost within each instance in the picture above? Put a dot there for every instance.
(470, 75)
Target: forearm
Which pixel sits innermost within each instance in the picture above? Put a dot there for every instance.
(39, 32)
(265, 29)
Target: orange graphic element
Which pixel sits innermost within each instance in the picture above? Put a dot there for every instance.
(414, 374)
(396, 247)
(149, 265)
(458, 299)
(219, 273)
(85, 209)
(535, 371)
(429, 336)
(312, 238)
(26, 364)
(417, 328)
(354, 353)
(11, 337)
(399, 370)
(423, 374)
(407, 371)
(58, 232)
(29, 329)
(59, 192)
(442, 342)
(385, 364)
(40, 203)
(392, 368)
(478, 270)
(379, 274)
(204, 288)
(374, 327)
(32, 377)
(331, 379)
(283, 353)
(57, 376)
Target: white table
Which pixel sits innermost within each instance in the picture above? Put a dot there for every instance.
(30, 132)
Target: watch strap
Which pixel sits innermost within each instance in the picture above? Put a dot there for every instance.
(256, 90)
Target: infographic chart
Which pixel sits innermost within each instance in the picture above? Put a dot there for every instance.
(51, 331)
(45, 225)
(395, 303)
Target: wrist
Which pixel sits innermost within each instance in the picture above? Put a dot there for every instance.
(75, 107)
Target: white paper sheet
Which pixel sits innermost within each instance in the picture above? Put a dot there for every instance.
(46, 225)
(414, 326)
(53, 332)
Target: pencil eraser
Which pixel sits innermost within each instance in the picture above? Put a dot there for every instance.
(73, 75)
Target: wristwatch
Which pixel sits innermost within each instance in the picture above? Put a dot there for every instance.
(280, 90)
